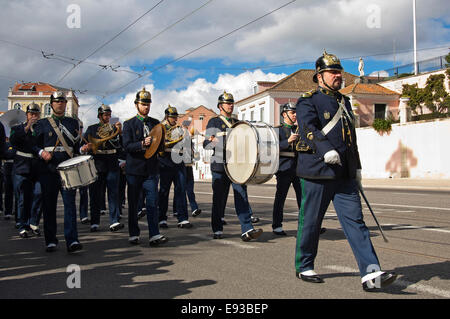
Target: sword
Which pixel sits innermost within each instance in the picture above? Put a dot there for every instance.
(371, 211)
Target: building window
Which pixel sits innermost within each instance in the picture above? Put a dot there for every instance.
(251, 116)
(261, 114)
(47, 110)
(17, 106)
(201, 117)
(380, 111)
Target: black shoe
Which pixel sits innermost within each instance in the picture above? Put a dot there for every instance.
(134, 240)
(322, 230)
(280, 233)
(255, 220)
(217, 236)
(163, 225)
(385, 280)
(85, 221)
(116, 226)
(94, 228)
(196, 212)
(315, 279)
(252, 234)
(8, 217)
(185, 225)
(159, 241)
(142, 213)
(36, 232)
(23, 234)
(73, 247)
(50, 248)
(224, 222)
(103, 212)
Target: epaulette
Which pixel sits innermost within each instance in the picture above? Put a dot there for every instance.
(309, 93)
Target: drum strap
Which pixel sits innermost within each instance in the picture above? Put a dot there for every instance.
(227, 123)
(60, 136)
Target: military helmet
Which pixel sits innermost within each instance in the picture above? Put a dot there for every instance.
(103, 109)
(327, 62)
(225, 98)
(171, 111)
(288, 107)
(33, 108)
(58, 96)
(143, 96)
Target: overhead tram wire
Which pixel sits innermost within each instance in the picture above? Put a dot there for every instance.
(201, 47)
(109, 41)
(147, 41)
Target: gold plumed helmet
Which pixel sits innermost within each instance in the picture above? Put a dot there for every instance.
(33, 108)
(143, 96)
(171, 111)
(327, 62)
(225, 98)
(103, 109)
(58, 96)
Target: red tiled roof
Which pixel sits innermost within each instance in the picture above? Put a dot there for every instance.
(366, 88)
(36, 87)
(300, 81)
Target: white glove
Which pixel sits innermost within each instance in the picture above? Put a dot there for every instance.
(332, 157)
(358, 178)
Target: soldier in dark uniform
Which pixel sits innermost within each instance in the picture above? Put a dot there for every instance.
(172, 170)
(26, 164)
(142, 173)
(106, 158)
(330, 170)
(8, 180)
(286, 174)
(47, 133)
(214, 139)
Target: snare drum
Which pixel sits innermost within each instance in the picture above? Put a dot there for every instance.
(251, 152)
(77, 172)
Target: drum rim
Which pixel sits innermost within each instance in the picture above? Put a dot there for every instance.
(255, 168)
(88, 158)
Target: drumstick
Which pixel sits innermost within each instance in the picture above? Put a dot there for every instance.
(57, 142)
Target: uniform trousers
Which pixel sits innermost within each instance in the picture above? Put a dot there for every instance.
(221, 185)
(316, 196)
(51, 186)
(111, 179)
(284, 181)
(177, 176)
(149, 186)
(29, 200)
(84, 202)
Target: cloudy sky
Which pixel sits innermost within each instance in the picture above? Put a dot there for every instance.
(187, 52)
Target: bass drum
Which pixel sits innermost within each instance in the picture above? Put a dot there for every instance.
(251, 153)
(77, 172)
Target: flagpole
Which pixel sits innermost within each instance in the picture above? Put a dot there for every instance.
(415, 38)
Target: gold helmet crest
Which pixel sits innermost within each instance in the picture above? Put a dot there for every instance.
(225, 98)
(327, 62)
(171, 111)
(143, 96)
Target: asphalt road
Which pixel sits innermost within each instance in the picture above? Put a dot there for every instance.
(195, 266)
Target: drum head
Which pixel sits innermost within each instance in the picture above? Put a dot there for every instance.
(241, 152)
(73, 161)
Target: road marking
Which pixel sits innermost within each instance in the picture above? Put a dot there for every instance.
(397, 226)
(399, 282)
(224, 241)
(54, 293)
(372, 204)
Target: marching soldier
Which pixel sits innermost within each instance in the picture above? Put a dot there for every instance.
(286, 174)
(104, 144)
(214, 139)
(56, 140)
(172, 169)
(330, 170)
(26, 185)
(142, 173)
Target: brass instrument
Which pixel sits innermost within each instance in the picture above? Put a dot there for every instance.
(11, 118)
(106, 132)
(172, 136)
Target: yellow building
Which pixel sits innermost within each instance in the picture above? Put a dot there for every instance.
(23, 94)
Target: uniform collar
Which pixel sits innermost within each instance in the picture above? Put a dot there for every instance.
(329, 92)
(59, 118)
(142, 118)
(287, 125)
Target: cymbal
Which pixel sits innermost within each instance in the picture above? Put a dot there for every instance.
(158, 134)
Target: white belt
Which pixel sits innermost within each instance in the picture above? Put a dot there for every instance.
(221, 134)
(29, 155)
(106, 152)
(56, 149)
(8, 161)
(287, 154)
